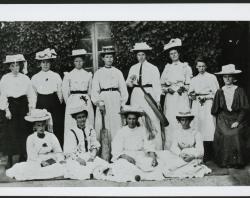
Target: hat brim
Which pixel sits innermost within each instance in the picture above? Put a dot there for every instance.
(188, 116)
(32, 119)
(228, 73)
(141, 50)
(40, 59)
(173, 48)
(14, 61)
(80, 55)
(140, 113)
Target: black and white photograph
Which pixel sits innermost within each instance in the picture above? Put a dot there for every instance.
(124, 103)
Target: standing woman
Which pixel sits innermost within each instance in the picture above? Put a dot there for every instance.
(47, 86)
(17, 99)
(146, 75)
(230, 107)
(202, 90)
(76, 89)
(175, 81)
(109, 93)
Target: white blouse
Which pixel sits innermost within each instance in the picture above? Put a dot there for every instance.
(176, 75)
(76, 80)
(47, 83)
(204, 84)
(150, 75)
(127, 139)
(229, 95)
(16, 86)
(39, 149)
(189, 141)
(106, 78)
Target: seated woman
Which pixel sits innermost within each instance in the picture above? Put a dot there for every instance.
(133, 155)
(187, 145)
(81, 147)
(230, 107)
(43, 149)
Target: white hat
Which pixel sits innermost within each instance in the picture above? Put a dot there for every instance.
(77, 109)
(186, 114)
(46, 54)
(132, 109)
(108, 49)
(173, 43)
(228, 69)
(38, 115)
(141, 47)
(14, 58)
(79, 52)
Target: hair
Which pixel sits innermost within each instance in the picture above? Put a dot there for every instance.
(146, 52)
(189, 118)
(79, 56)
(21, 65)
(178, 49)
(201, 59)
(111, 53)
(75, 114)
(133, 113)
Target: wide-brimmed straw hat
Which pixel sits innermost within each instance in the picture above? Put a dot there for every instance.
(107, 50)
(186, 114)
(228, 69)
(173, 43)
(79, 52)
(46, 54)
(128, 109)
(143, 46)
(14, 58)
(38, 115)
(77, 109)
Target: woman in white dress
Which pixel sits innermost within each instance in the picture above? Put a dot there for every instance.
(202, 90)
(76, 89)
(16, 100)
(187, 145)
(45, 157)
(109, 93)
(146, 75)
(81, 147)
(48, 88)
(175, 81)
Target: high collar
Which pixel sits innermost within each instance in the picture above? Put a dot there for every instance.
(45, 72)
(107, 67)
(176, 63)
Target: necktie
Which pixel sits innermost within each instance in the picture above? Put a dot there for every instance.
(140, 76)
(85, 140)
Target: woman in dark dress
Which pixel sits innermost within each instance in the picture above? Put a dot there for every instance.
(230, 107)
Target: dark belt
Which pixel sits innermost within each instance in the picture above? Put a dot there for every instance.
(18, 100)
(110, 89)
(78, 92)
(52, 94)
(146, 85)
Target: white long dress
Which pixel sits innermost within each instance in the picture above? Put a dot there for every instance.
(77, 80)
(38, 150)
(204, 122)
(150, 75)
(106, 78)
(188, 141)
(174, 76)
(75, 147)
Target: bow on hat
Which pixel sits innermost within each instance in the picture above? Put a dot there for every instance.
(46, 54)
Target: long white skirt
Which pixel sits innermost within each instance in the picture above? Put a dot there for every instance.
(204, 121)
(75, 100)
(113, 120)
(32, 170)
(74, 170)
(174, 104)
(137, 98)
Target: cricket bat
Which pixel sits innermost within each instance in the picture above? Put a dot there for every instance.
(105, 140)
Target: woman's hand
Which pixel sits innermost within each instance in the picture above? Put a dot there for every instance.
(186, 157)
(235, 125)
(44, 163)
(8, 114)
(93, 153)
(170, 90)
(133, 78)
(101, 106)
(81, 161)
(128, 158)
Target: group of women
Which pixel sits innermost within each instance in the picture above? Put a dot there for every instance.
(203, 118)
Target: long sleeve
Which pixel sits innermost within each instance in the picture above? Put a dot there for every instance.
(148, 145)
(117, 146)
(90, 84)
(123, 89)
(95, 92)
(157, 85)
(188, 74)
(70, 143)
(66, 87)
(174, 147)
(32, 153)
(199, 149)
(164, 75)
(31, 95)
(59, 88)
(93, 140)
(128, 81)
(3, 97)
(57, 150)
(216, 103)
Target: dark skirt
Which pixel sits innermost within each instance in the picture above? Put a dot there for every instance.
(230, 144)
(16, 128)
(52, 104)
